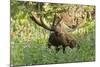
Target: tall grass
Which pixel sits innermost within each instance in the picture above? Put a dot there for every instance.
(34, 52)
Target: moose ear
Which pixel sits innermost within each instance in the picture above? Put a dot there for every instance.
(54, 20)
(58, 20)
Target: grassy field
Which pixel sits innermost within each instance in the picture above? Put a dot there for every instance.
(35, 52)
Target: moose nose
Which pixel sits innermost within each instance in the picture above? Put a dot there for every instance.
(73, 26)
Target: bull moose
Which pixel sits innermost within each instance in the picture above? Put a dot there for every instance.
(58, 38)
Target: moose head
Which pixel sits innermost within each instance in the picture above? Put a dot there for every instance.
(59, 38)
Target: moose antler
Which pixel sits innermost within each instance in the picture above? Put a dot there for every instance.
(40, 21)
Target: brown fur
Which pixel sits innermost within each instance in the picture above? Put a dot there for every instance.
(60, 38)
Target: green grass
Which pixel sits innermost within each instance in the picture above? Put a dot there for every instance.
(35, 53)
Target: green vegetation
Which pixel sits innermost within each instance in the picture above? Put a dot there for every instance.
(29, 41)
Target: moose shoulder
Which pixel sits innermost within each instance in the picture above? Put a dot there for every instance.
(59, 38)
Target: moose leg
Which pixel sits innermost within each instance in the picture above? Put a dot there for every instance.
(49, 45)
(64, 48)
(57, 49)
(78, 46)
